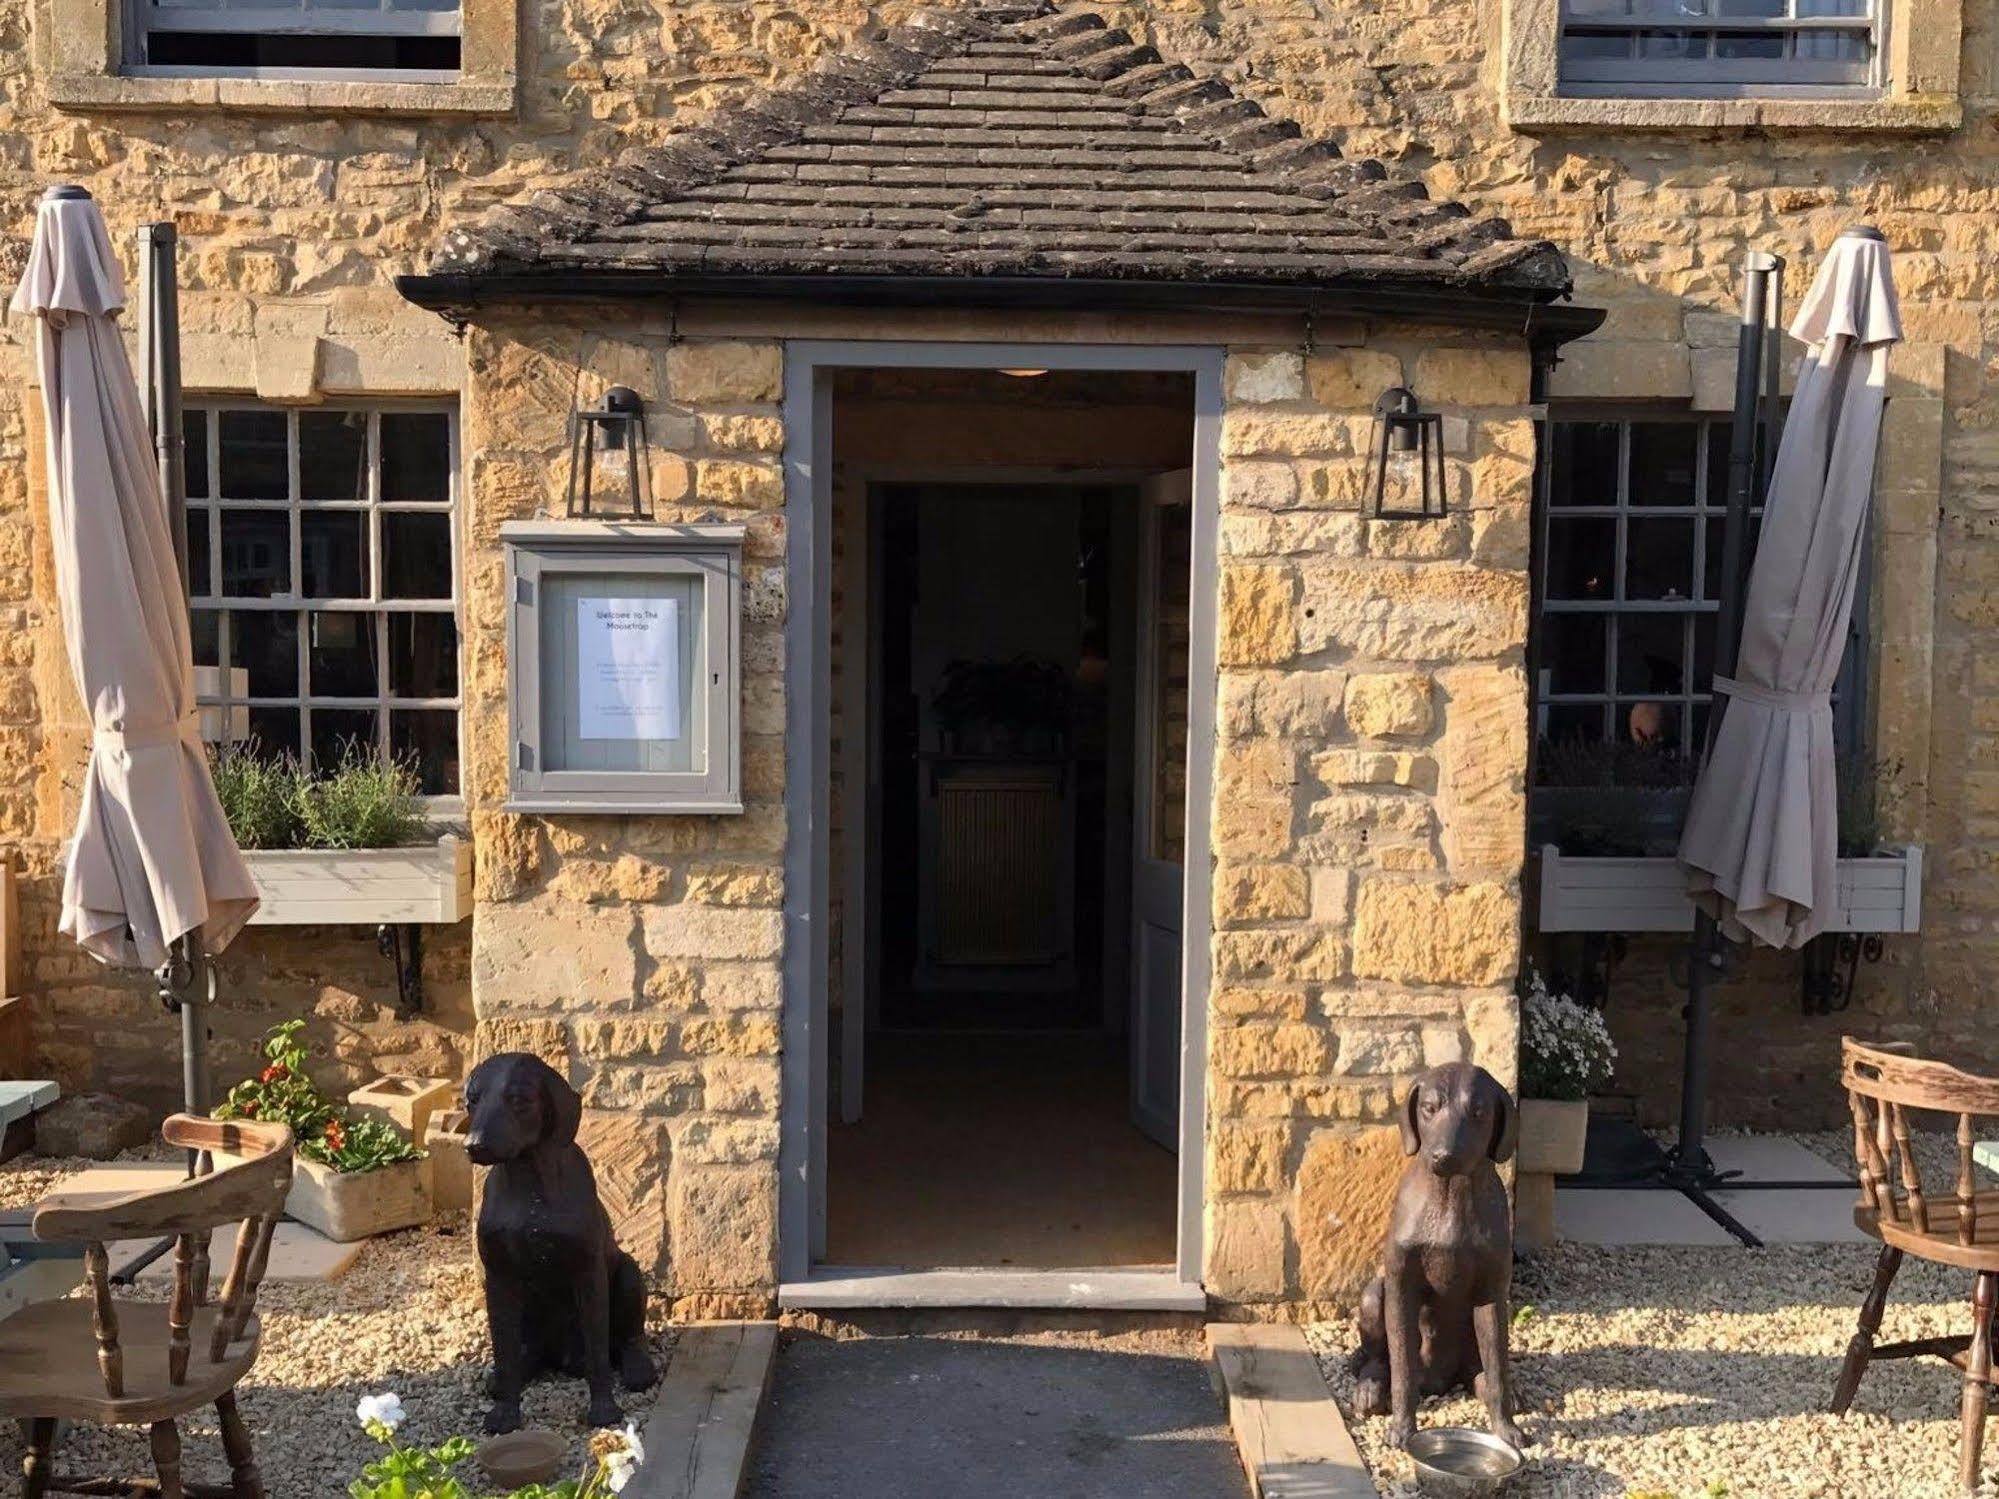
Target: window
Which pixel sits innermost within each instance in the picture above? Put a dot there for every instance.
(409, 39)
(322, 578)
(1716, 47)
(1627, 576)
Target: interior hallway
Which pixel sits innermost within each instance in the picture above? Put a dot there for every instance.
(992, 1149)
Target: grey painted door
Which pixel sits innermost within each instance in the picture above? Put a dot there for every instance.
(1159, 787)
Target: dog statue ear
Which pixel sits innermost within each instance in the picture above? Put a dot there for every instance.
(1411, 1140)
(1506, 1127)
(561, 1108)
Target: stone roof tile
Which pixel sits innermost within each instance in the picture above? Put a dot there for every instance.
(1012, 139)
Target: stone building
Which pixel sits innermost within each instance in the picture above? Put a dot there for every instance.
(1119, 808)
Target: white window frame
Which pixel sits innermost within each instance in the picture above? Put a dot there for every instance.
(145, 18)
(209, 509)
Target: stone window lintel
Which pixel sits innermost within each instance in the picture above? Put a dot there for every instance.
(84, 65)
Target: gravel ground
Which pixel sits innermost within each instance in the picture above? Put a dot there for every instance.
(1691, 1373)
(407, 1317)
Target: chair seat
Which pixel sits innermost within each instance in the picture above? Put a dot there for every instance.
(48, 1364)
(1939, 1244)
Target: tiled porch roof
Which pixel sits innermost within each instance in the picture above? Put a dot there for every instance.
(1001, 140)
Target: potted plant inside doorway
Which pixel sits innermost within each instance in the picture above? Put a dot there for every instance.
(347, 843)
(1566, 1054)
(355, 1175)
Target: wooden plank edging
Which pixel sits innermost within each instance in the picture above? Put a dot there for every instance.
(697, 1439)
(1289, 1432)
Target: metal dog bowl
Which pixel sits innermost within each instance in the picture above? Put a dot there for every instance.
(1458, 1460)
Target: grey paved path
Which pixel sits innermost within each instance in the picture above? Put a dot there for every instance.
(943, 1418)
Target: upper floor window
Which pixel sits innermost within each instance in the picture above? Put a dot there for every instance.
(322, 581)
(410, 39)
(1716, 47)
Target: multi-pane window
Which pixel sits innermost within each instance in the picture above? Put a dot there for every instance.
(322, 580)
(291, 38)
(1629, 572)
(1717, 47)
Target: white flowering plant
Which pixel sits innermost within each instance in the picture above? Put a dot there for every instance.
(430, 1472)
(1565, 1047)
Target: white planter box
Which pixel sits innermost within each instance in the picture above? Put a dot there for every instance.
(1879, 894)
(1553, 1135)
(363, 886)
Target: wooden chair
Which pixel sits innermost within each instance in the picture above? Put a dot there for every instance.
(118, 1362)
(1951, 1224)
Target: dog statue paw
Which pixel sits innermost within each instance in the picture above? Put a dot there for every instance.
(1437, 1318)
(604, 1411)
(505, 1416)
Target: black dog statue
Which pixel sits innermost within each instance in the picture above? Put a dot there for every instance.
(560, 1294)
(1437, 1319)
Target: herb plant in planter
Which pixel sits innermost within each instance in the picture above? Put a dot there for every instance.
(341, 844)
(354, 1177)
(1566, 1054)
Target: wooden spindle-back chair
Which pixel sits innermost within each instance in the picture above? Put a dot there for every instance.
(118, 1362)
(1950, 1222)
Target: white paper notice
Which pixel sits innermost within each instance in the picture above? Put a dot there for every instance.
(628, 668)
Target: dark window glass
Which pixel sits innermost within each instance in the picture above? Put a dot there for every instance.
(1585, 456)
(423, 655)
(274, 733)
(416, 555)
(333, 455)
(341, 656)
(340, 733)
(426, 739)
(194, 453)
(266, 642)
(256, 459)
(256, 553)
(1651, 654)
(416, 456)
(1582, 557)
(1741, 46)
(1664, 459)
(205, 626)
(1573, 653)
(1659, 559)
(199, 581)
(333, 553)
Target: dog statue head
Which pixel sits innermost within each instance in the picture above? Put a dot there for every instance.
(1456, 1116)
(516, 1102)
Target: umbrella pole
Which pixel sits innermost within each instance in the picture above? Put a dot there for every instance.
(1688, 1167)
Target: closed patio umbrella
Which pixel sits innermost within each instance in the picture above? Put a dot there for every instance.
(1760, 842)
(152, 859)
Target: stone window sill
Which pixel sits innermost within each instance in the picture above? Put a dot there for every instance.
(1907, 114)
(115, 91)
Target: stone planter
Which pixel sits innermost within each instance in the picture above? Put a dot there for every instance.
(345, 1206)
(1553, 1133)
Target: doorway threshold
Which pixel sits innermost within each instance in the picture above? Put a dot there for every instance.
(841, 1288)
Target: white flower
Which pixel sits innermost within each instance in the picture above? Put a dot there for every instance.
(622, 1460)
(385, 1409)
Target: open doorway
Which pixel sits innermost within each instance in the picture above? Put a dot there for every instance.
(1009, 756)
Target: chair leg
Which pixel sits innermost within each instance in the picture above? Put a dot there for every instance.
(244, 1478)
(166, 1459)
(1861, 1346)
(1977, 1373)
(37, 1466)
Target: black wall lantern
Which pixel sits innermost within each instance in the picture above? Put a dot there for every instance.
(1403, 426)
(618, 426)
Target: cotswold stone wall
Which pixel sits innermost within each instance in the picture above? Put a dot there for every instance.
(639, 956)
(1369, 821)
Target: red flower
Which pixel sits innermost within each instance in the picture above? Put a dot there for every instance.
(274, 1072)
(335, 1137)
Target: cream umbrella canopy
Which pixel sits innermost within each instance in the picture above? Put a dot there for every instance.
(1760, 844)
(152, 859)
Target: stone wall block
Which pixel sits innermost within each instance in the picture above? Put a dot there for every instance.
(1248, 1157)
(1247, 1250)
(1384, 705)
(706, 373)
(1281, 1050)
(1261, 892)
(724, 1228)
(1346, 1188)
(1412, 611)
(547, 954)
(1258, 624)
(1255, 485)
(1414, 931)
(688, 930)
(1473, 377)
(1352, 379)
(1265, 376)
(630, 1158)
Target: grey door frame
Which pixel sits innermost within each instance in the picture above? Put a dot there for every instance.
(808, 456)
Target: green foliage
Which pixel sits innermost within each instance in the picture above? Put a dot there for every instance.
(1860, 781)
(259, 796)
(1579, 760)
(429, 1473)
(361, 803)
(412, 1472)
(274, 802)
(283, 1093)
